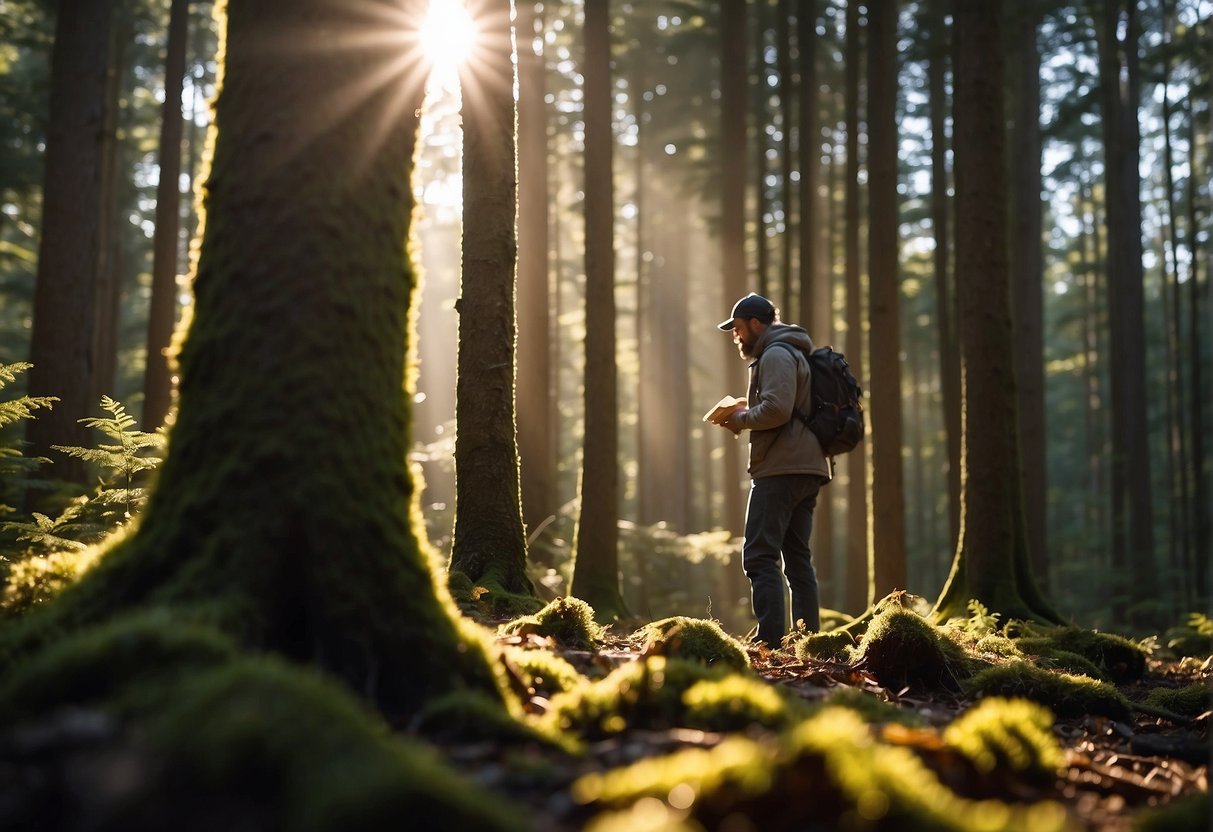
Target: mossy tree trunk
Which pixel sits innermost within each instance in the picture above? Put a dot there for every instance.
(489, 541)
(285, 509)
(991, 563)
(596, 540)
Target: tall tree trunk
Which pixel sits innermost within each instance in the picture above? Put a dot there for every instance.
(162, 312)
(596, 565)
(813, 276)
(489, 544)
(733, 270)
(1133, 514)
(1201, 520)
(534, 401)
(761, 103)
(648, 385)
(1179, 501)
(783, 63)
(1026, 280)
(945, 292)
(858, 588)
(1093, 323)
(888, 499)
(108, 298)
(298, 341)
(62, 347)
(673, 334)
(991, 563)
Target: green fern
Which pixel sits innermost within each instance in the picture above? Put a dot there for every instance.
(119, 496)
(46, 535)
(15, 468)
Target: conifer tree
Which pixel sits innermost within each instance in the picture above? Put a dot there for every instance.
(489, 543)
(285, 510)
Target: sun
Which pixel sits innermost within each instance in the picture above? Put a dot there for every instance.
(448, 38)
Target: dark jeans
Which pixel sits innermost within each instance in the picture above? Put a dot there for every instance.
(779, 519)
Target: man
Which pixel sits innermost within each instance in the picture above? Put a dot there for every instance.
(787, 466)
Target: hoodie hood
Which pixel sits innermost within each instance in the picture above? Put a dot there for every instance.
(786, 333)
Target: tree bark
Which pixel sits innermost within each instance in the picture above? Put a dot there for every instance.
(489, 544)
(596, 558)
(991, 564)
(1132, 508)
(761, 104)
(162, 312)
(1201, 520)
(62, 345)
(733, 77)
(535, 382)
(1026, 281)
(285, 512)
(888, 499)
(945, 290)
(858, 587)
(783, 64)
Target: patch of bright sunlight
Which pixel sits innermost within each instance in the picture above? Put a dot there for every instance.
(448, 37)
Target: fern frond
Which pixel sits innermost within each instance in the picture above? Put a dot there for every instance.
(9, 372)
(23, 408)
(118, 496)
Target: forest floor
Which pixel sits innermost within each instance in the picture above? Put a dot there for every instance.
(1113, 771)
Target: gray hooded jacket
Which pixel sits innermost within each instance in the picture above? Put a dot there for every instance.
(780, 381)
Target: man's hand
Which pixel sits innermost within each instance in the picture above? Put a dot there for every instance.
(733, 423)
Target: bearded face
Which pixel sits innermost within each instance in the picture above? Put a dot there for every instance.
(746, 332)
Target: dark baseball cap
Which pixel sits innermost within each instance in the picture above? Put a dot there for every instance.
(751, 306)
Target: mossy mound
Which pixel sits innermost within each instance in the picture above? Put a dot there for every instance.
(1068, 662)
(998, 647)
(1062, 693)
(694, 639)
(649, 692)
(1193, 638)
(828, 772)
(306, 752)
(489, 596)
(1117, 658)
(1185, 814)
(472, 716)
(567, 621)
(824, 646)
(738, 702)
(1008, 733)
(131, 658)
(1190, 701)
(901, 648)
(542, 672)
(873, 709)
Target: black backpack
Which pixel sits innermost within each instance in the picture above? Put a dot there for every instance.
(837, 417)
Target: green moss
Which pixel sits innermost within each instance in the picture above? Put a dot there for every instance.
(541, 671)
(470, 715)
(1190, 701)
(998, 646)
(737, 702)
(695, 639)
(1189, 640)
(827, 772)
(489, 596)
(824, 646)
(461, 587)
(901, 648)
(648, 692)
(1064, 694)
(873, 709)
(1117, 658)
(1008, 733)
(307, 753)
(132, 657)
(1047, 655)
(1185, 814)
(567, 621)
